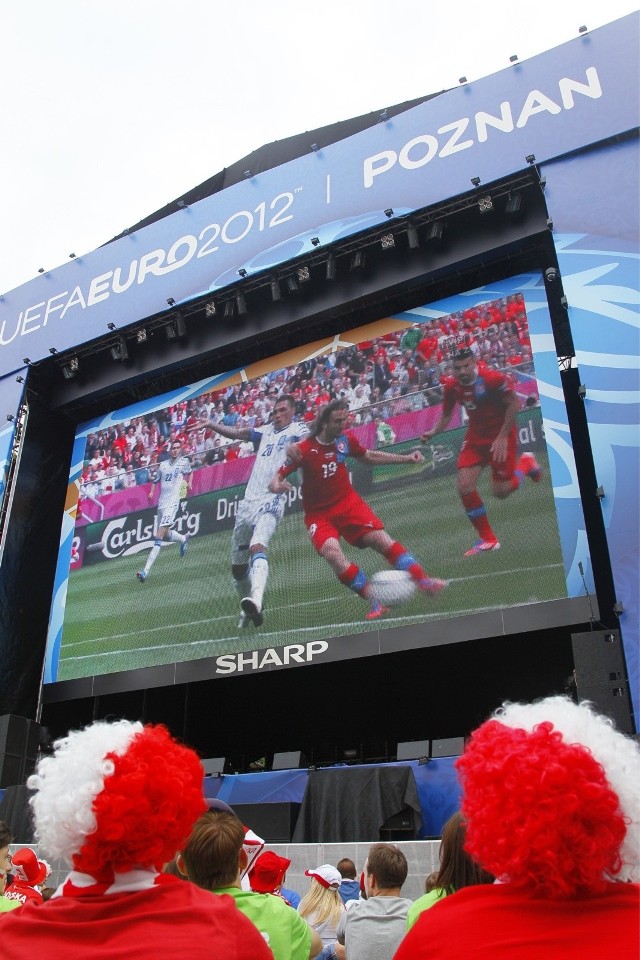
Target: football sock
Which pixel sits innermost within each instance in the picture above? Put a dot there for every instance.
(153, 553)
(477, 513)
(176, 537)
(258, 576)
(400, 558)
(355, 579)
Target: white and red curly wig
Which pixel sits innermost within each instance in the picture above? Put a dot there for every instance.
(116, 797)
(551, 798)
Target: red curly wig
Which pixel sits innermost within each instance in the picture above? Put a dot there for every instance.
(147, 807)
(540, 812)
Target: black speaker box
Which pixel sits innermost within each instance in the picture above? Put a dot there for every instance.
(412, 750)
(401, 826)
(601, 676)
(19, 742)
(448, 747)
(274, 822)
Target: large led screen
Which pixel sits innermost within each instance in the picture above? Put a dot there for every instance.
(171, 530)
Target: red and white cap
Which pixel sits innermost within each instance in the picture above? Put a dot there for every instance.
(27, 867)
(326, 875)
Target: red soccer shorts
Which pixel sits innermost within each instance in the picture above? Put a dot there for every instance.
(351, 519)
(475, 453)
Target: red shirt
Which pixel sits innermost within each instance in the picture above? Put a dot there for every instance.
(325, 478)
(485, 400)
(500, 922)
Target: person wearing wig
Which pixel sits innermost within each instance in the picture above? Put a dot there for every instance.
(552, 808)
(116, 801)
(457, 869)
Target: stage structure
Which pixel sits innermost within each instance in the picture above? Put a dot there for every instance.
(501, 216)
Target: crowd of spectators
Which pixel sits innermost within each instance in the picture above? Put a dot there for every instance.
(384, 377)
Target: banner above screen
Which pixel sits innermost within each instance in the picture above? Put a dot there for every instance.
(579, 93)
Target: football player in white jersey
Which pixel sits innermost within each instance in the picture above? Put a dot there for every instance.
(260, 512)
(171, 475)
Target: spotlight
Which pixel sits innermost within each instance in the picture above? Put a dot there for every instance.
(111, 326)
(600, 493)
(292, 285)
(181, 203)
(241, 304)
(549, 223)
(330, 272)
(119, 350)
(412, 236)
(19, 379)
(72, 256)
(40, 269)
(513, 58)
(242, 272)
(462, 80)
(315, 147)
(475, 181)
(357, 260)
(248, 174)
(10, 417)
(276, 292)
(389, 212)
(582, 29)
(551, 274)
(171, 301)
(27, 362)
(388, 241)
(530, 158)
(435, 231)
(141, 336)
(229, 309)
(485, 205)
(315, 241)
(177, 328)
(52, 351)
(582, 391)
(210, 309)
(70, 369)
(514, 204)
(384, 116)
(303, 274)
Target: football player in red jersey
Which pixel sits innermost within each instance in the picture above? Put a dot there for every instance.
(492, 405)
(333, 509)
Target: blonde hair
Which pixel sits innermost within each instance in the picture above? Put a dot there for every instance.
(320, 904)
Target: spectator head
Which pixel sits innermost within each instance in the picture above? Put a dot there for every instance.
(550, 798)
(326, 875)
(213, 856)
(457, 869)
(347, 869)
(386, 868)
(116, 797)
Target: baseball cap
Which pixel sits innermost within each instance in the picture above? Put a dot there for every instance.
(326, 875)
(268, 872)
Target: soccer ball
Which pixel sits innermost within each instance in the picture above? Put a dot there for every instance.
(391, 587)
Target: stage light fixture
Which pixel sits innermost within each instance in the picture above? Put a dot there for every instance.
(52, 351)
(549, 223)
(600, 492)
(276, 292)
(242, 272)
(384, 116)
(171, 301)
(543, 183)
(387, 241)
(462, 80)
(181, 203)
(141, 336)
(435, 231)
(210, 309)
(241, 304)
(70, 369)
(40, 269)
(292, 285)
(330, 271)
(229, 309)
(19, 379)
(119, 350)
(111, 326)
(389, 212)
(27, 362)
(412, 236)
(530, 158)
(303, 274)
(248, 174)
(72, 256)
(513, 58)
(513, 205)
(315, 147)
(357, 260)
(177, 328)
(485, 205)
(475, 181)
(10, 417)
(315, 241)
(582, 391)
(582, 29)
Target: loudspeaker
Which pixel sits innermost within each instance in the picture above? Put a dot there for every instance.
(293, 760)
(401, 826)
(274, 822)
(449, 747)
(412, 750)
(601, 676)
(19, 742)
(216, 766)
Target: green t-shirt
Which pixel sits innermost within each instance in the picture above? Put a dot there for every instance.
(424, 902)
(6, 905)
(284, 930)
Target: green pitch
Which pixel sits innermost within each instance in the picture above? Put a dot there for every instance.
(188, 607)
